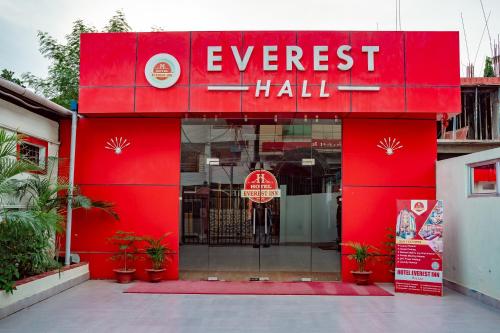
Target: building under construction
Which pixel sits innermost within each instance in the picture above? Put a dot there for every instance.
(477, 127)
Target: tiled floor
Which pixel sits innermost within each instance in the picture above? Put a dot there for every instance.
(100, 306)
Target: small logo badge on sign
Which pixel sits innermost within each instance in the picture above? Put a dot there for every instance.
(162, 70)
(419, 206)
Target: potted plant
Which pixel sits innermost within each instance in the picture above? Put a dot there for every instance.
(390, 244)
(125, 241)
(156, 251)
(362, 253)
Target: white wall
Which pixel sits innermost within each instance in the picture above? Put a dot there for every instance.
(472, 229)
(16, 119)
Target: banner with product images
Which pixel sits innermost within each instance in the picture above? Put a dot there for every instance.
(419, 247)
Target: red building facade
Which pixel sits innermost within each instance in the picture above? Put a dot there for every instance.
(379, 84)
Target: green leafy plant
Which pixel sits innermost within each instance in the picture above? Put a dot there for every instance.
(362, 253)
(126, 243)
(32, 209)
(49, 193)
(390, 245)
(24, 233)
(157, 251)
(488, 68)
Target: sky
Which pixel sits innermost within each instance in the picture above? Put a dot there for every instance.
(21, 19)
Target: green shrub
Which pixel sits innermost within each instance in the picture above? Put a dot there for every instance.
(28, 235)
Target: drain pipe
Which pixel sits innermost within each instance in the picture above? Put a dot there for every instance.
(69, 214)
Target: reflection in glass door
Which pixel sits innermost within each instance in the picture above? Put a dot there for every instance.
(231, 229)
(290, 254)
(228, 235)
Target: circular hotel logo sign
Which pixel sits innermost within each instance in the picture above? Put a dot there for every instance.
(261, 186)
(162, 70)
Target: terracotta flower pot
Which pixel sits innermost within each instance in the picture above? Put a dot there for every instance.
(124, 276)
(361, 278)
(155, 275)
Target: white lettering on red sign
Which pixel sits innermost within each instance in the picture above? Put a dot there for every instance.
(293, 54)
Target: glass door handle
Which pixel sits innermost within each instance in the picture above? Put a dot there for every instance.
(265, 221)
(253, 217)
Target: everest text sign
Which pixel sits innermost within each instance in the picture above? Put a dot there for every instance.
(261, 186)
(163, 70)
(293, 55)
(269, 73)
(419, 247)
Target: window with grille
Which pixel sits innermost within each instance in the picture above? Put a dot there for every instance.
(32, 153)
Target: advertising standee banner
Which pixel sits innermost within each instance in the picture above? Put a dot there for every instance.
(419, 247)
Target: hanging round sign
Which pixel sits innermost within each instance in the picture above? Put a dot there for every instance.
(260, 186)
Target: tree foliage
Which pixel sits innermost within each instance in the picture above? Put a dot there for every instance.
(117, 23)
(61, 84)
(488, 68)
(11, 76)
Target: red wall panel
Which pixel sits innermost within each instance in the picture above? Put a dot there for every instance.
(432, 58)
(154, 148)
(173, 101)
(106, 100)
(388, 99)
(107, 59)
(146, 210)
(142, 182)
(433, 99)
(204, 101)
(365, 164)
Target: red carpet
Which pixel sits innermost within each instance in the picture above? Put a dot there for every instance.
(256, 288)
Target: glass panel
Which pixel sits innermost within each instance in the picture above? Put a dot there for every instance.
(193, 249)
(484, 179)
(289, 251)
(231, 237)
(326, 200)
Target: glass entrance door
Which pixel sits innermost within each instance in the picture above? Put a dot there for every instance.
(251, 238)
(229, 235)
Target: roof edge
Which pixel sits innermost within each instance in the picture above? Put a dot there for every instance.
(24, 94)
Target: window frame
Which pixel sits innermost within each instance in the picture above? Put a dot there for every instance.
(43, 152)
(470, 178)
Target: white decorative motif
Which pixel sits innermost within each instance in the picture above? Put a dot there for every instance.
(117, 144)
(390, 145)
